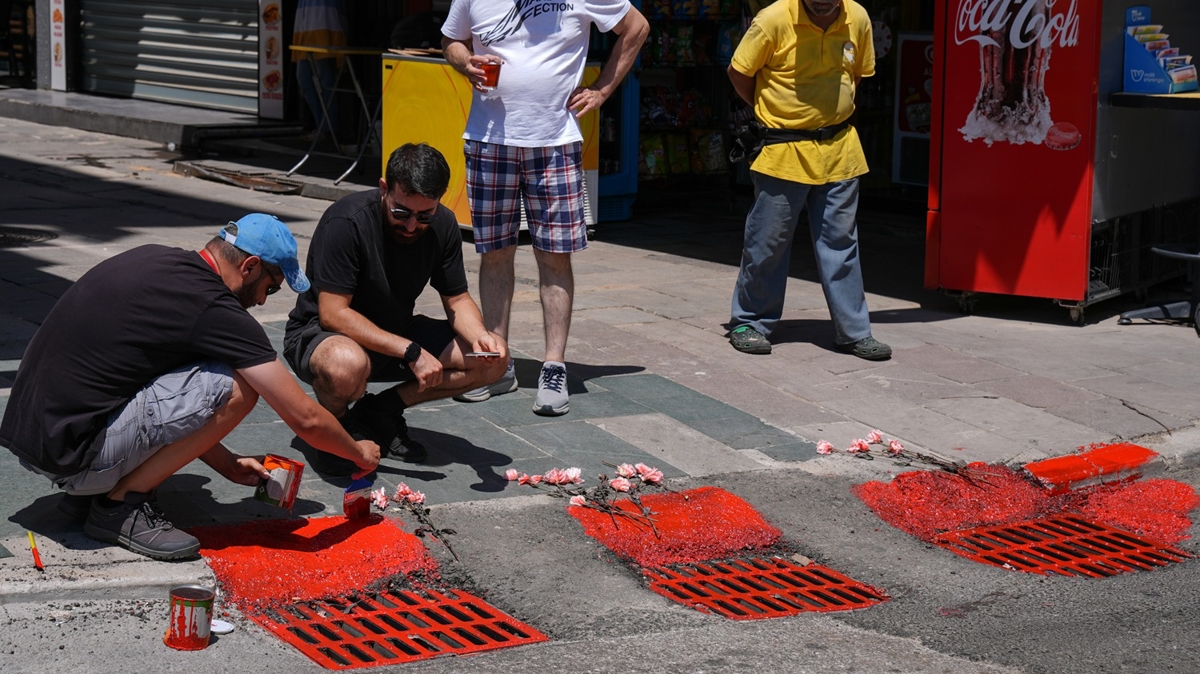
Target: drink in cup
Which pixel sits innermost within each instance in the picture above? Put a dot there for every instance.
(491, 74)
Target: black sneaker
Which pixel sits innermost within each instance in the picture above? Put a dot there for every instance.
(867, 348)
(138, 525)
(75, 506)
(370, 419)
(748, 340)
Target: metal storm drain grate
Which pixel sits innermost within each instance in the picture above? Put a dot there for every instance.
(1064, 545)
(394, 627)
(754, 589)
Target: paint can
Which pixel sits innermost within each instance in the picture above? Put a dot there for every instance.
(281, 489)
(190, 621)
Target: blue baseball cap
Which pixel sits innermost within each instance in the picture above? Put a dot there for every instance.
(268, 238)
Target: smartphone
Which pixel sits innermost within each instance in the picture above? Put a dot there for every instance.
(482, 354)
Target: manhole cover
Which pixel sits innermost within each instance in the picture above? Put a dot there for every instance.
(394, 627)
(1064, 545)
(754, 589)
(17, 236)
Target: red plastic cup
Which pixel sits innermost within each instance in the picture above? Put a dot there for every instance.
(491, 74)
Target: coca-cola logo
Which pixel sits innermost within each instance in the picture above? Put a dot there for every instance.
(1027, 22)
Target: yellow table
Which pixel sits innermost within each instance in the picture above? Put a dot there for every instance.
(346, 66)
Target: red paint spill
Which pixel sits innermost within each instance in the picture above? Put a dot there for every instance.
(280, 560)
(695, 525)
(1099, 464)
(926, 503)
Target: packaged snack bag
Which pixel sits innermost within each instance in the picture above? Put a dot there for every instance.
(678, 159)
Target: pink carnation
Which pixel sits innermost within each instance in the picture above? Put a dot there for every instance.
(858, 446)
(416, 497)
(620, 484)
(895, 447)
(555, 476)
(652, 476)
(824, 447)
(535, 479)
(578, 501)
(641, 468)
(523, 479)
(874, 438)
(402, 491)
(626, 470)
(379, 499)
(511, 474)
(573, 475)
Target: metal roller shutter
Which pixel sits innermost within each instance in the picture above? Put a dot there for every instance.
(195, 53)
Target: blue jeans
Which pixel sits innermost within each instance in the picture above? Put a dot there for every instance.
(767, 250)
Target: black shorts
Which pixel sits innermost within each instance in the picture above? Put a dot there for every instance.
(432, 334)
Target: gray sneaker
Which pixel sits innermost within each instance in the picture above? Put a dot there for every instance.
(552, 399)
(748, 340)
(506, 384)
(138, 524)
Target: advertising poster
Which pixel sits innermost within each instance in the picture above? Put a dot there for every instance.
(58, 47)
(1016, 124)
(270, 59)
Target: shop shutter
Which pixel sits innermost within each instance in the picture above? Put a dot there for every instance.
(194, 53)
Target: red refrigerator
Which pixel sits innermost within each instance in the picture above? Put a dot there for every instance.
(1012, 147)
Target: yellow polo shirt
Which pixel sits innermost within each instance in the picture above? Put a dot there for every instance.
(804, 78)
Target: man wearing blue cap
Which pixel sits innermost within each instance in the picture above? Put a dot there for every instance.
(145, 364)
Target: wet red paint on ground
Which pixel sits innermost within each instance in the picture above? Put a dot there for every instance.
(280, 560)
(926, 503)
(695, 525)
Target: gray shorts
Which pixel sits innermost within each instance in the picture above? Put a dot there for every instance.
(166, 410)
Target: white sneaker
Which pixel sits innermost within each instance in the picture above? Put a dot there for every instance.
(552, 399)
(506, 384)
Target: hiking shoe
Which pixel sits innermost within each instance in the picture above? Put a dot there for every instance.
(552, 399)
(506, 384)
(867, 348)
(370, 419)
(138, 525)
(75, 506)
(748, 340)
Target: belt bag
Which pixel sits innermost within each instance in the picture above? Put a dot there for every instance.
(749, 139)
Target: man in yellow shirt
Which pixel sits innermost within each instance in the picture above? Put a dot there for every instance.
(798, 65)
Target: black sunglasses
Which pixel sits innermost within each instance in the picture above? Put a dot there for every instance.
(275, 286)
(403, 214)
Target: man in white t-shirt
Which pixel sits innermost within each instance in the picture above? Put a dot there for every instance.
(523, 142)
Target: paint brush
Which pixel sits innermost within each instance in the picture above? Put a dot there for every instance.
(37, 559)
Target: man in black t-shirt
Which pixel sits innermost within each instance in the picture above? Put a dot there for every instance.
(372, 255)
(145, 364)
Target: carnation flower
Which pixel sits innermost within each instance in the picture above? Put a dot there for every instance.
(379, 499)
(874, 438)
(858, 446)
(523, 479)
(572, 475)
(578, 501)
(895, 447)
(535, 479)
(824, 447)
(416, 497)
(555, 476)
(652, 476)
(620, 484)
(626, 470)
(511, 474)
(402, 491)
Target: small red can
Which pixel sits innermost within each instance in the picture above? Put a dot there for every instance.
(281, 489)
(190, 622)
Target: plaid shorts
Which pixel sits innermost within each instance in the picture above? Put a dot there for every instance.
(548, 179)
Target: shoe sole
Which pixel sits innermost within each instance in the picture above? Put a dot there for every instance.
(551, 411)
(754, 350)
(486, 395)
(105, 536)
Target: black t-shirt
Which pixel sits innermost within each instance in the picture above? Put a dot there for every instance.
(352, 254)
(128, 320)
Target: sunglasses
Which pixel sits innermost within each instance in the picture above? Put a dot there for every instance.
(275, 286)
(403, 214)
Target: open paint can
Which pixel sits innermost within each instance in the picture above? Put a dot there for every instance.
(190, 622)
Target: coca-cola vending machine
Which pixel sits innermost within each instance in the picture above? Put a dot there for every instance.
(1013, 139)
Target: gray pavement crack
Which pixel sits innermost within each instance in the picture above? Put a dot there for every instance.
(1164, 426)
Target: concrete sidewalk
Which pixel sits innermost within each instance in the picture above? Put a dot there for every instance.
(652, 376)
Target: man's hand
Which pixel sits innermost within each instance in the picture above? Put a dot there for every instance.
(585, 99)
(428, 371)
(369, 460)
(247, 470)
(490, 342)
(472, 69)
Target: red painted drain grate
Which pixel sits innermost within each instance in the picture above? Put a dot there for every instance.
(394, 627)
(1063, 545)
(754, 589)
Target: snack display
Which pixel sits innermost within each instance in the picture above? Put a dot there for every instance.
(1152, 65)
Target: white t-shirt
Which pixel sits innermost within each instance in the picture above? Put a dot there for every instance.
(543, 45)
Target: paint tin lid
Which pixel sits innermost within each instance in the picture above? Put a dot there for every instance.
(221, 627)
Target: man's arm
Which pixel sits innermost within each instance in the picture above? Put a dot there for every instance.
(313, 423)
(631, 32)
(742, 84)
(460, 55)
(467, 322)
(337, 316)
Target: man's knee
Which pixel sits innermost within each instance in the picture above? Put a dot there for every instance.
(339, 363)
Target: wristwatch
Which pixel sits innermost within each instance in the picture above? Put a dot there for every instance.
(412, 353)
